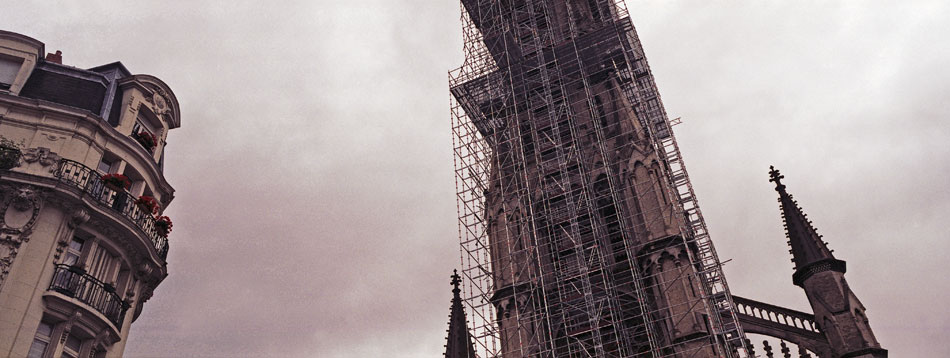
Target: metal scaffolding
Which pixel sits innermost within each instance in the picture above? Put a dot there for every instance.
(580, 232)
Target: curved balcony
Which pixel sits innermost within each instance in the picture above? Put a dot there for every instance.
(76, 283)
(90, 183)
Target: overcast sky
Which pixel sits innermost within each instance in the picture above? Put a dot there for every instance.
(315, 210)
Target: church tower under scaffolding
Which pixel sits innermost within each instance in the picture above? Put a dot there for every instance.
(580, 232)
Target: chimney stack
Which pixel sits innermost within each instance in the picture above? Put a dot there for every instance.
(55, 57)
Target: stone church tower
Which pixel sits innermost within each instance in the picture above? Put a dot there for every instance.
(581, 234)
(584, 232)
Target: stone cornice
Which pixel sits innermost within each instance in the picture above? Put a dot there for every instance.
(132, 148)
(41, 48)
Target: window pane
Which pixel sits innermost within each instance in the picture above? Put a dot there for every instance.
(45, 330)
(40, 341)
(73, 252)
(71, 259)
(140, 126)
(76, 245)
(71, 350)
(8, 69)
(103, 264)
(37, 349)
(104, 166)
(73, 343)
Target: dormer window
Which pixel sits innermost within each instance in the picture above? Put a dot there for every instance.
(9, 67)
(144, 134)
(140, 126)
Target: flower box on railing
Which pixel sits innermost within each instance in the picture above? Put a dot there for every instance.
(116, 182)
(89, 182)
(163, 225)
(9, 157)
(146, 139)
(148, 204)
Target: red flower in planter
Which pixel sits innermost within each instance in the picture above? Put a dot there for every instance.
(164, 225)
(147, 203)
(116, 181)
(146, 139)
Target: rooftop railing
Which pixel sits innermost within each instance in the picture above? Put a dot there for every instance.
(120, 200)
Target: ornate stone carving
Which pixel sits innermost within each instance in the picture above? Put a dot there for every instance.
(16, 222)
(51, 137)
(68, 326)
(100, 342)
(17, 215)
(60, 247)
(130, 294)
(23, 200)
(144, 270)
(9, 247)
(161, 105)
(42, 155)
(158, 101)
(146, 294)
(78, 218)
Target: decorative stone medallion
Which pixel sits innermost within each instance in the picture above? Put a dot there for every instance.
(18, 212)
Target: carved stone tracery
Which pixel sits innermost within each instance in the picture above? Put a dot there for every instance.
(20, 207)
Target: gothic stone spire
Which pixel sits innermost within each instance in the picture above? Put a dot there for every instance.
(838, 312)
(459, 341)
(809, 252)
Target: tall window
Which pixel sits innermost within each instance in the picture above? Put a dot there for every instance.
(71, 349)
(144, 133)
(103, 265)
(40, 341)
(73, 251)
(140, 126)
(8, 70)
(105, 166)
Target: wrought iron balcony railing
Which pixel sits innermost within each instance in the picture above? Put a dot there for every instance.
(76, 283)
(90, 183)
